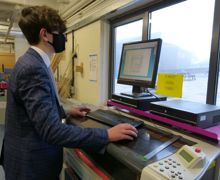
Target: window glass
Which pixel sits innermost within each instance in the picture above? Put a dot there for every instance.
(123, 34)
(186, 31)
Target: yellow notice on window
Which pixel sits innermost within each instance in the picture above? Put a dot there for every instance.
(170, 85)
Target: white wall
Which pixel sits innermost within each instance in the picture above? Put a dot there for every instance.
(92, 39)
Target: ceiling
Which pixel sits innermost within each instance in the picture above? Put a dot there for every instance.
(80, 12)
(9, 13)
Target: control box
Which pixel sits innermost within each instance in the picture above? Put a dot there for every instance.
(187, 163)
(194, 113)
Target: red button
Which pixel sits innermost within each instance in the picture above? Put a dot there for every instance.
(198, 150)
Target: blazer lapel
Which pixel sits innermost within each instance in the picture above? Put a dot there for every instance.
(39, 58)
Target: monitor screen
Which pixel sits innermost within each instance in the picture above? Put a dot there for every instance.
(139, 64)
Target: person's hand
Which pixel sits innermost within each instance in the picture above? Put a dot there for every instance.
(122, 132)
(79, 111)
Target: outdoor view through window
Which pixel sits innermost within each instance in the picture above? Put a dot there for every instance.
(186, 43)
(186, 31)
(127, 33)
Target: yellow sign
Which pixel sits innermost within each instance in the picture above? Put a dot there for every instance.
(170, 85)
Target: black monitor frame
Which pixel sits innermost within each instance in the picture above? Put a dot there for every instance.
(139, 86)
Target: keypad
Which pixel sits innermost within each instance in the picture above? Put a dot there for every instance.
(169, 168)
(176, 166)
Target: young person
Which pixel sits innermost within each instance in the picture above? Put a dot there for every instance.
(34, 134)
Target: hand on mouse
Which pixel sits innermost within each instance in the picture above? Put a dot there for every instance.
(122, 132)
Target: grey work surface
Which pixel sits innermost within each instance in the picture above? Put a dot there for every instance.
(131, 153)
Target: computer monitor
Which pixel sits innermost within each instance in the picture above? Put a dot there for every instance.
(139, 65)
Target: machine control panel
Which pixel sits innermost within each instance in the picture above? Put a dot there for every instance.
(186, 163)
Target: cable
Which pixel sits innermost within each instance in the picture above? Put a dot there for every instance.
(147, 91)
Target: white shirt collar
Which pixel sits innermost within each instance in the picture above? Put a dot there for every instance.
(44, 56)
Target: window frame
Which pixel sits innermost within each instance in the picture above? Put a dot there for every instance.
(214, 60)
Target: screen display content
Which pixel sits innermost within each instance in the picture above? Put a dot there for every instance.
(186, 156)
(139, 64)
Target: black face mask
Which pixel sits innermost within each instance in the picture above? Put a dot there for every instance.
(58, 42)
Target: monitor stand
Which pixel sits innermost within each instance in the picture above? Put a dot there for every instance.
(136, 95)
(137, 99)
(138, 92)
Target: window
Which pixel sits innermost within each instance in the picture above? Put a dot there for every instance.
(190, 31)
(186, 30)
(125, 33)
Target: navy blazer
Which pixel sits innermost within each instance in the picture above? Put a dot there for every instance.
(34, 134)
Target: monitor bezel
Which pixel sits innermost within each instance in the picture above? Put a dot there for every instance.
(142, 83)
